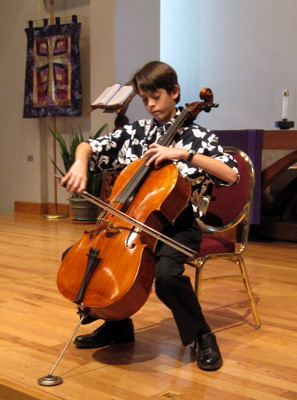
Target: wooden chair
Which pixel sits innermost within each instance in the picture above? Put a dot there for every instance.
(229, 208)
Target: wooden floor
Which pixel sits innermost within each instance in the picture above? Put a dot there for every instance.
(36, 323)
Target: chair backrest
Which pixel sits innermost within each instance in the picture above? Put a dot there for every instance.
(231, 205)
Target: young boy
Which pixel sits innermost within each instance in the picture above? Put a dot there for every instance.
(200, 159)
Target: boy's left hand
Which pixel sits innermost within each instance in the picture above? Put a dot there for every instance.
(160, 153)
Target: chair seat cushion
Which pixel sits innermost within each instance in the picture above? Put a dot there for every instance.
(211, 244)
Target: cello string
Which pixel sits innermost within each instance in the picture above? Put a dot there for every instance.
(129, 191)
(158, 235)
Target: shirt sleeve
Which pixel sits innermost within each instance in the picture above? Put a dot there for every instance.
(106, 150)
(209, 146)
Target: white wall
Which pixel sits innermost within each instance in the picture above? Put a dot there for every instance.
(178, 44)
(245, 51)
(19, 138)
(124, 36)
(104, 43)
(137, 42)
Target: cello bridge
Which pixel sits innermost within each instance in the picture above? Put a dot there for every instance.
(111, 228)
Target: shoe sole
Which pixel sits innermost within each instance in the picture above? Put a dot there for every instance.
(98, 346)
(210, 367)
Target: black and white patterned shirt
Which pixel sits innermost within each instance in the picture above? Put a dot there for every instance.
(125, 145)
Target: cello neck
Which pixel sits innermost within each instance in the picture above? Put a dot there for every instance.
(128, 193)
(166, 139)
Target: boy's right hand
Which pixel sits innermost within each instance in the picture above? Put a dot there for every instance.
(75, 180)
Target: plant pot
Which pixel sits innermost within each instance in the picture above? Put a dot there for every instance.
(83, 211)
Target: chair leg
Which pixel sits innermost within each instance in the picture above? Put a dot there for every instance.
(249, 292)
(198, 273)
(197, 282)
(197, 289)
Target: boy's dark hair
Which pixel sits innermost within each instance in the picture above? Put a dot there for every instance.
(155, 75)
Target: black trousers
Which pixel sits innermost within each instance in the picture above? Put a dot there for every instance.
(172, 287)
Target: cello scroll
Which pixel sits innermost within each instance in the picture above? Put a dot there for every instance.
(206, 105)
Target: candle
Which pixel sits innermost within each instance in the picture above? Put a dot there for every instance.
(285, 104)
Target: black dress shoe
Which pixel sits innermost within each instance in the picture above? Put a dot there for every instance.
(209, 357)
(108, 333)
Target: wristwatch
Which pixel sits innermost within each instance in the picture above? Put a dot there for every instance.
(191, 155)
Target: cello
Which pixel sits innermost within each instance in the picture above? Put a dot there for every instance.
(109, 272)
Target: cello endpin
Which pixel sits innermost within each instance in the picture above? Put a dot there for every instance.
(50, 380)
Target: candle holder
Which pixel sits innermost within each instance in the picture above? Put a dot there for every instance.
(284, 124)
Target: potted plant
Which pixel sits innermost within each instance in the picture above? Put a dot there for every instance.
(82, 209)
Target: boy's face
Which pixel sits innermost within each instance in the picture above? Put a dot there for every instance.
(160, 104)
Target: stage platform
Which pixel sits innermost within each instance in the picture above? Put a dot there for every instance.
(37, 321)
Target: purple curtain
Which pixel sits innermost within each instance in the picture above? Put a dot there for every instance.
(52, 82)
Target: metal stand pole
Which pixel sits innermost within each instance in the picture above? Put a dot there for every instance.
(50, 379)
(55, 215)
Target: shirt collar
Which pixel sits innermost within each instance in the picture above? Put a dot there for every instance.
(166, 126)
